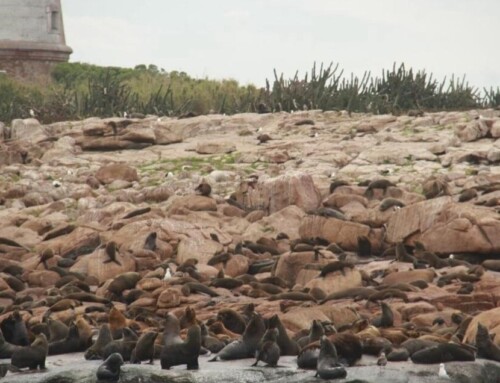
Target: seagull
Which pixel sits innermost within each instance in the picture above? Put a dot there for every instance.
(442, 372)
(56, 184)
(32, 113)
(168, 274)
(452, 256)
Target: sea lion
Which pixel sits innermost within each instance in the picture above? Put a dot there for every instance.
(204, 189)
(150, 242)
(144, 349)
(72, 343)
(188, 319)
(398, 355)
(196, 287)
(335, 266)
(226, 283)
(111, 248)
(263, 138)
(382, 184)
(293, 296)
(364, 246)
(287, 346)
(387, 293)
(267, 287)
(124, 346)
(44, 257)
(14, 283)
(109, 370)
(183, 353)
(219, 258)
(6, 348)
(443, 353)
(211, 343)
(387, 203)
(171, 331)
(14, 330)
(374, 345)
(247, 345)
(32, 356)
(103, 338)
(337, 183)
(268, 351)
(316, 331)
(386, 319)
(486, 348)
(467, 195)
(125, 281)
(353, 293)
(232, 320)
(328, 366)
(402, 255)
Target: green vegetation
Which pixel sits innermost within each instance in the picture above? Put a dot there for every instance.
(83, 90)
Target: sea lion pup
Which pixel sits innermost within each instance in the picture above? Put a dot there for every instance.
(111, 248)
(335, 266)
(377, 184)
(219, 258)
(225, 282)
(467, 195)
(387, 203)
(144, 349)
(328, 366)
(209, 342)
(268, 351)
(72, 343)
(44, 257)
(123, 346)
(432, 259)
(247, 345)
(32, 356)
(183, 353)
(442, 353)
(232, 320)
(150, 241)
(267, 287)
(204, 189)
(485, 346)
(195, 287)
(263, 138)
(287, 346)
(14, 330)
(103, 338)
(386, 319)
(6, 348)
(364, 246)
(109, 371)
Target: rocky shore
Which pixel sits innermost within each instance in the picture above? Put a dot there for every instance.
(314, 216)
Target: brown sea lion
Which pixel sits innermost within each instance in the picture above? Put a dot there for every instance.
(32, 356)
(44, 257)
(386, 318)
(316, 331)
(287, 346)
(204, 189)
(211, 343)
(353, 293)
(103, 338)
(268, 350)
(232, 320)
(382, 184)
(183, 353)
(335, 266)
(72, 343)
(196, 287)
(125, 281)
(328, 366)
(109, 370)
(14, 329)
(6, 348)
(337, 183)
(144, 349)
(364, 246)
(188, 319)
(443, 353)
(387, 203)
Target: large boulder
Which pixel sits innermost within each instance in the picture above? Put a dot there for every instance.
(486, 318)
(28, 130)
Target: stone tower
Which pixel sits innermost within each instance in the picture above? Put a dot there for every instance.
(31, 38)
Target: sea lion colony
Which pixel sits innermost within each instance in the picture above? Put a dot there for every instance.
(327, 302)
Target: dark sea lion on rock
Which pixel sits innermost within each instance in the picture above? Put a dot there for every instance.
(387, 293)
(219, 258)
(364, 246)
(232, 320)
(268, 351)
(398, 355)
(195, 287)
(6, 348)
(467, 195)
(183, 353)
(150, 242)
(125, 281)
(387, 203)
(171, 330)
(382, 184)
(226, 283)
(103, 338)
(293, 296)
(32, 356)
(44, 257)
(109, 371)
(204, 189)
(486, 348)
(124, 346)
(328, 366)
(335, 266)
(14, 329)
(72, 343)
(287, 346)
(386, 319)
(402, 255)
(443, 353)
(111, 249)
(337, 183)
(211, 343)
(352, 293)
(247, 345)
(415, 345)
(144, 349)
(316, 331)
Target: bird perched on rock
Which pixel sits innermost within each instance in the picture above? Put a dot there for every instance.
(382, 360)
(168, 274)
(442, 372)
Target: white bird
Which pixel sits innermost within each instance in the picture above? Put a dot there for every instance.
(168, 274)
(170, 175)
(125, 115)
(32, 113)
(381, 361)
(56, 184)
(442, 371)
(452, 256)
